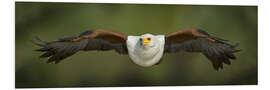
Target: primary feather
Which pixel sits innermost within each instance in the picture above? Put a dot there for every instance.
(215, 49)
(65, 47)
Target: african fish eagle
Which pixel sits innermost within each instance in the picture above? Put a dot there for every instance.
(145, 50)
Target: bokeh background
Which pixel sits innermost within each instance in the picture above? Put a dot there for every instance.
(51, 21)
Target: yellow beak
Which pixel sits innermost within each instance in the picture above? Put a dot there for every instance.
(146, 41)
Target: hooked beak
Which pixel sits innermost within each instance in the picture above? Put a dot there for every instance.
(146, 41)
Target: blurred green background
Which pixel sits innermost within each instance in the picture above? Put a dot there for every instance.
(51, 21)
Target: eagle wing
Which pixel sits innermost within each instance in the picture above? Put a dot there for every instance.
(196, 40)
(102, 40)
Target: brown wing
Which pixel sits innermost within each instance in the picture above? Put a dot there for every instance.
(89, 40)
(187, 34)
(196, 40)
(110, 36)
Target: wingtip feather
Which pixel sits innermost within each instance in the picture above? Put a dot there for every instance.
(37, 38)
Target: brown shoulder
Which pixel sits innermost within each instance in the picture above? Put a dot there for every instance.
(188, 34)
(111, 36)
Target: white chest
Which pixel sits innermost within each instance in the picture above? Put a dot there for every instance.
(142, 56)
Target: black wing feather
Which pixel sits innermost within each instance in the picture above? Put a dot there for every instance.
(217, 53)
(61, 49)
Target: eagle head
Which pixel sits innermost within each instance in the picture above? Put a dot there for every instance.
(147, 40)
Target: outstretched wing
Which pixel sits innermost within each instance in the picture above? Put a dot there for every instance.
(196, 40)
(89, 40)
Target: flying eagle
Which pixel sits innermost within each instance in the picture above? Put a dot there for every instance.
(145, 50)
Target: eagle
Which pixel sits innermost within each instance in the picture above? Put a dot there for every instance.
(145, 50)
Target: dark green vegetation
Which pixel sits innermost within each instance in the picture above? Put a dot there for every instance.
(51, 21)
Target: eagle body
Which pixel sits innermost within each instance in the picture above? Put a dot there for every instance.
(145, 56)
(145, 50)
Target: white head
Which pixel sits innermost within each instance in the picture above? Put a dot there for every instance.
(147, 40)
(146, 50)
